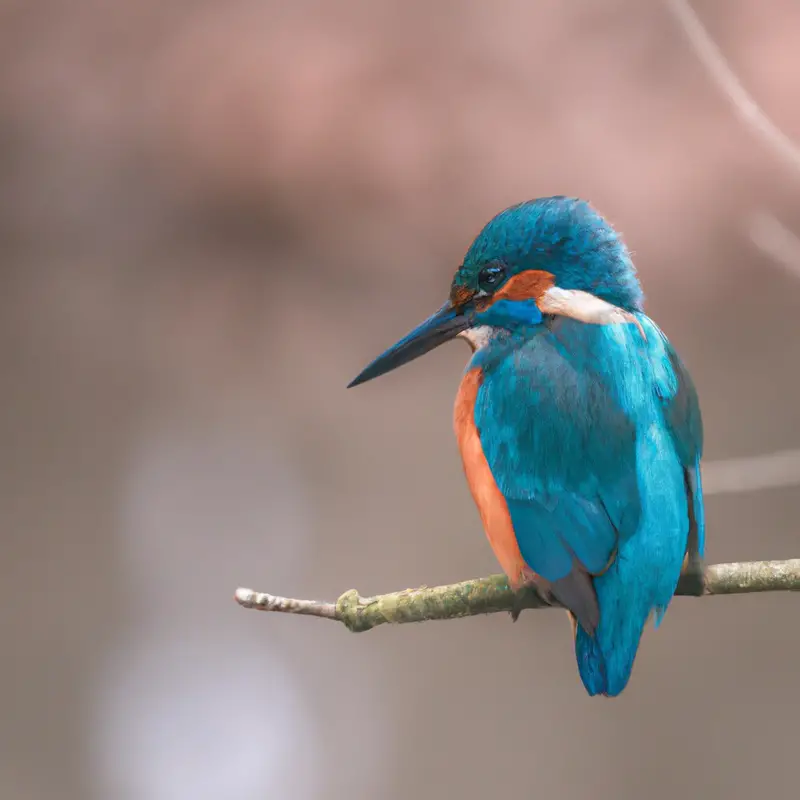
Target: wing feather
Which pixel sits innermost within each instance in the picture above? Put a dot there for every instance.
(557, 415)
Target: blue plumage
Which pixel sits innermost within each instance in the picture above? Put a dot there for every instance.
(564, 233)
(586, 417)
(593, 434)
(582, 428)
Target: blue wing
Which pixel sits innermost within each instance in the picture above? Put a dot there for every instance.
(561, 415)
(562, 450)
(682, 414)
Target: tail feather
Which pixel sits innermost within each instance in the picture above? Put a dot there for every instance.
(641, 581)
(576, 591)
(643, 576)
(605, 660)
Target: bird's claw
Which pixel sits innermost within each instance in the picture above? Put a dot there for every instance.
(693, 577)
(522, 595)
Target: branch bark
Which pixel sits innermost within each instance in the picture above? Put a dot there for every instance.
(492, 594)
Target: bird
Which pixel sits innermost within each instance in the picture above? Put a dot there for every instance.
(578, 425)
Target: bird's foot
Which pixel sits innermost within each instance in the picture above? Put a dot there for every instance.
(531, 592)
(518, 607)
(693, 577)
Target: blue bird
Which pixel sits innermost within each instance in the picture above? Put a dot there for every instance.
(578, 425)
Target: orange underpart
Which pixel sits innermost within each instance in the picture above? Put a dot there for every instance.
(491, 504)
(528, 285)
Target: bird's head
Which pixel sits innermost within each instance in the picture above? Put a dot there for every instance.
(551, 256)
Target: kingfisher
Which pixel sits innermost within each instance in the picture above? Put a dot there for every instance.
(579, 427)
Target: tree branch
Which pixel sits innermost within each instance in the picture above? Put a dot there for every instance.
(492, 594)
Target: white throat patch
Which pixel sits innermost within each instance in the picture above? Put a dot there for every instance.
(478, 337)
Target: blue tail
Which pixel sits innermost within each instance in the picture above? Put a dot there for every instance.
(626, 601)
(605, 660)
(643, 577)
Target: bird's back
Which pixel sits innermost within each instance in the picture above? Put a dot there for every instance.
(591, 434)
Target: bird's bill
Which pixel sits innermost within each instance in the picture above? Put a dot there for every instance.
(439, 328)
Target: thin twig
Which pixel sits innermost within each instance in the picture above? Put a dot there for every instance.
(766, 232)
(752, 473)
(492, 594)
(270, 602)
(718, 67)
(775, 240)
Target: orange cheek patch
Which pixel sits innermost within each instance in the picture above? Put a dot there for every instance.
(461, 295)
(491, 504)
(528, 285)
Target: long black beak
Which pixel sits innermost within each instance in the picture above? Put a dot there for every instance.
(444, 325)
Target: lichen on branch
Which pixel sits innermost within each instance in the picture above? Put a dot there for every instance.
(492, 594)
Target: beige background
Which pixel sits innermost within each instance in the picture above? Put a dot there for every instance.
(211, 216)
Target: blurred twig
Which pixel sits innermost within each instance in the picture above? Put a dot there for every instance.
(718, 67)
(774, 239)
(492, 594)
(766, 233)
(768, 471)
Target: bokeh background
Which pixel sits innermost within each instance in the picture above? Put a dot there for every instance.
(211, 216)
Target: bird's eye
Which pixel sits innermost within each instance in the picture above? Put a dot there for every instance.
(490, 277)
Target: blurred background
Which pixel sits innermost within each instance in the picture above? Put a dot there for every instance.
(212, 215)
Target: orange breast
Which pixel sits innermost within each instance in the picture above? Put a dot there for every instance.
(490, 501)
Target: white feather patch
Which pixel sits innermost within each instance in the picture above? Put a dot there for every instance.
(478, 337)
(585, 307)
